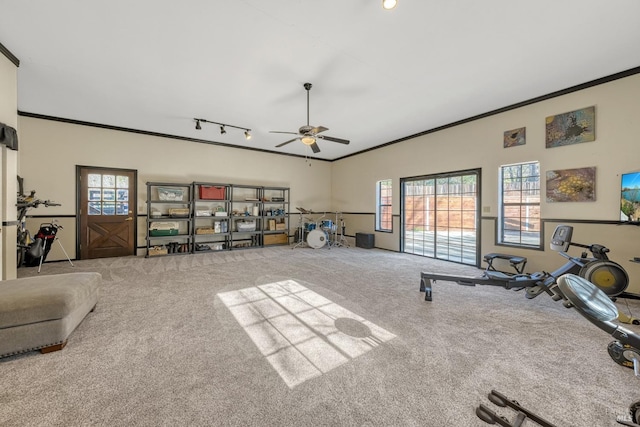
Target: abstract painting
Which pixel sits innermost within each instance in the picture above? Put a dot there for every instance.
(571, 185)
(515, 137)
(571, 128)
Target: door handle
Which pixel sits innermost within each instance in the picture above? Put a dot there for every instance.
(129, 219)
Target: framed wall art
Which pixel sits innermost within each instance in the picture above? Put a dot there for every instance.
(571, 128)
(571, 185)
(515, 137)
(630, 197)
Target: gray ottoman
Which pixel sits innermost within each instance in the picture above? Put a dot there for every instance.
(39, 313)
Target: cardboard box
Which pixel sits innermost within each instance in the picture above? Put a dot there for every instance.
(276, 239)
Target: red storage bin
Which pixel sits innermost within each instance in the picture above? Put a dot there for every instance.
(210, 192)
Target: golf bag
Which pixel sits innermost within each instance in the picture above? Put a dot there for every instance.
(41, 244)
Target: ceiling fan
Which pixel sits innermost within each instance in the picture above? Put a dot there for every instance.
(310, 134)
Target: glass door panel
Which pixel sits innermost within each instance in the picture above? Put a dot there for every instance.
(440, 216)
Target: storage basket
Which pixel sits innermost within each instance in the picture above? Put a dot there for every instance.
(159, 228)
(158, 250)
(246, 225)
(204, 230)
(210, 192)
(179, 212)
(171, 194)
(203, 212)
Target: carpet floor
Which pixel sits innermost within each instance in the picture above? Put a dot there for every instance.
(311, 337)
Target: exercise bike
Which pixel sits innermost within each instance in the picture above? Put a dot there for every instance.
(607, 275)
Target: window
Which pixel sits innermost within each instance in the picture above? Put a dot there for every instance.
(519, 221)
(384, 220)
(108, 194)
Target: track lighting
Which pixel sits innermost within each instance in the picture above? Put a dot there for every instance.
(389, 4)
(223, 127)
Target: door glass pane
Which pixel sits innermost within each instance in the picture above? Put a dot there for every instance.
(122, 181)
(108, 208)
(108, 194)
(108, 181)
(94, 194)
(95, 180)
(122, 208)
(95, 208)
(122, 195)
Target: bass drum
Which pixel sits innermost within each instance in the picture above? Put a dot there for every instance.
(609, 276)
(316, 239)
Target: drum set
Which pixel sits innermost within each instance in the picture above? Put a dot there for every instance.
(321, 232)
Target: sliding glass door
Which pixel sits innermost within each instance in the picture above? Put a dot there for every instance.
(440, 215)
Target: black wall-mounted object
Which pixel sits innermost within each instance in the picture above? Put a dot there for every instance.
(8, 136)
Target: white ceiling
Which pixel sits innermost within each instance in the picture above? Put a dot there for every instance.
(154, 65)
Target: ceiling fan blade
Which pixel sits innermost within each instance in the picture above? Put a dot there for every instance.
(286, 142)
(315, 147)
(279, 131)
(319, 129)
(332, 139)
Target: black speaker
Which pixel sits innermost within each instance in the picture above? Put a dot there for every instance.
(8, 136)
(366, 241)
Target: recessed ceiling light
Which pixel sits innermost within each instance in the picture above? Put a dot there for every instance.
(389, 4)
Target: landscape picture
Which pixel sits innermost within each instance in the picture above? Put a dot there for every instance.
(630, 197)
(571, 185)
(571, 128)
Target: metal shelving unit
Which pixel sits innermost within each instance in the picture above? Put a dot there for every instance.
(169, 218)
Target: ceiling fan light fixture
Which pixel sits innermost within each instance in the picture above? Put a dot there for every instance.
(308, 140)
(247, 134)
(389, 4)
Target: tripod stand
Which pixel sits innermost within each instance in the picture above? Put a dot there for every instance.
(339, 239)
(301, 242)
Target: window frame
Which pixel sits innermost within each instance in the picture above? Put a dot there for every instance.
(384, 205)
(501, 222)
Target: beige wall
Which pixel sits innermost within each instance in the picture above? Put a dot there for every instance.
(479, 144)
(51, 150)
(8, 162)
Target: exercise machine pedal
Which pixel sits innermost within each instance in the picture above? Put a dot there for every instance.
(489, 416)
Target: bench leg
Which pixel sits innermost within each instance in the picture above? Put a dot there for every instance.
(51, 348)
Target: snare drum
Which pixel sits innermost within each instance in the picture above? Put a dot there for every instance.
(317, 239)
(327, 224)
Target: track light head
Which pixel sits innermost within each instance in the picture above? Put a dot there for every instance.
(222, 130)
(247, 134)
(389, 4)
(198, 127)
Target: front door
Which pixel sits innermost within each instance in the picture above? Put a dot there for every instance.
(106, 212)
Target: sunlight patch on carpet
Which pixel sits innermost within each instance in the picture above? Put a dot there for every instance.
(301, 333)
